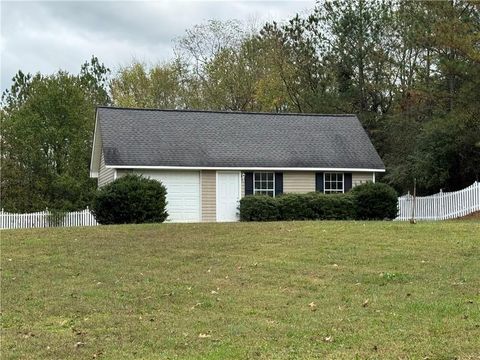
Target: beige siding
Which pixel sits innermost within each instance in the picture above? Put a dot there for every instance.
(361, 178)
(298, 181)
(209, 195)
(105, 175)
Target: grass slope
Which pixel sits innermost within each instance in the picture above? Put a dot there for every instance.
(293, 290)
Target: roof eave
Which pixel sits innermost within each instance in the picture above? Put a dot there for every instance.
(145, 167)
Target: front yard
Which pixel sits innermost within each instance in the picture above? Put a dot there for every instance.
(293, 290)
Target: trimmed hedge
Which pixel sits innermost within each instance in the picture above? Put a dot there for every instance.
(375, 201)
(368, 202)
(131, 199)
(333, 206)
(259, 208)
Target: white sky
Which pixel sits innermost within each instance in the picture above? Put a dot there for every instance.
(50, 35)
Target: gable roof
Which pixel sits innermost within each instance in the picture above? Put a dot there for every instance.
(208, 139)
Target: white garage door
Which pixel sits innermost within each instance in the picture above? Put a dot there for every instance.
(183, 193)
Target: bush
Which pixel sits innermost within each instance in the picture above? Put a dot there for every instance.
(375, 201)
(365, 202)
(131, 199)
(312, 206)
(259, 208)
(296, 207)
(333, 206)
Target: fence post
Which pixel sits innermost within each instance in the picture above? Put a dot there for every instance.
(440, 206)
(414, 203)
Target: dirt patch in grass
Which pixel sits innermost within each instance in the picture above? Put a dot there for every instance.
(289, 290)
(472, 216)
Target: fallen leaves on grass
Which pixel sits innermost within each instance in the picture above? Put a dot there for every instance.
(79, 344)
(196, 305)
(328, 339)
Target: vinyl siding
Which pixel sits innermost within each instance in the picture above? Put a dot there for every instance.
(361, 178)
(298, 181)
(105, 175)
(209, 195)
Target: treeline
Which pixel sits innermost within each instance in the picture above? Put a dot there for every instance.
(410, 70)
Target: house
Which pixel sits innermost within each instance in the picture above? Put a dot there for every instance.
(208, 160)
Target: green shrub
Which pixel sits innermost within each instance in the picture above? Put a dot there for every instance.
(259, 208)
(131, 199)
(375, 201)
(311, 206)
(295, 207)
(332, 206)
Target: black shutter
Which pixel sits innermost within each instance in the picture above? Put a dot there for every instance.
(319, 182)
(278, 183)
(347, 181)
(248, 183)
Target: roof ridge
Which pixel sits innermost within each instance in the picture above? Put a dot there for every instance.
(225, 111)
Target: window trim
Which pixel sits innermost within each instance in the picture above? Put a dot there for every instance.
(273, 182)
(333, 191)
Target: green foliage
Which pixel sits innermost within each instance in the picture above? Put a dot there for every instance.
(333, 206)
(157, 87)
(46, 137)
(311, 206)
(375, 201)
(259, 208)
(316, 206)
(370, 201)
(56, 217)
(131, 199)
(296, 206)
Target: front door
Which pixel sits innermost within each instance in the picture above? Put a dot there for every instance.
(228, 195)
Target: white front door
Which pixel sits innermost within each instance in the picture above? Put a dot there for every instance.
(228, 195)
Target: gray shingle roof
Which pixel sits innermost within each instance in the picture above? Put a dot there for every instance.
(142, 137)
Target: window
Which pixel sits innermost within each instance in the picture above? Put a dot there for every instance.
(264, 183)
(333, 183)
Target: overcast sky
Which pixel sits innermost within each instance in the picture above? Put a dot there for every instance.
(47, 36)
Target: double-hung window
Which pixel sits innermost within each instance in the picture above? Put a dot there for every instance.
(333, 183)
(264, 183)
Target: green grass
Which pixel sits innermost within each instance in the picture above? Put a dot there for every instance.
(338, 290)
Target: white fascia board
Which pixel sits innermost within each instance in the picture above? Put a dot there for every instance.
(244, 168)
(93, 170)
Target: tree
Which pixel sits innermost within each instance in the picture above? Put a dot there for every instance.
(157, 87)
(46, 138)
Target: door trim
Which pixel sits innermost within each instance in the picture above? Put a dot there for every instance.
(239, 175)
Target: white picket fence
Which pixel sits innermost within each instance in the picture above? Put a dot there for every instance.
(441, 206)
(44, 219)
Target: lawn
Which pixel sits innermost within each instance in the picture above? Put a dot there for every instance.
(337, 290)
